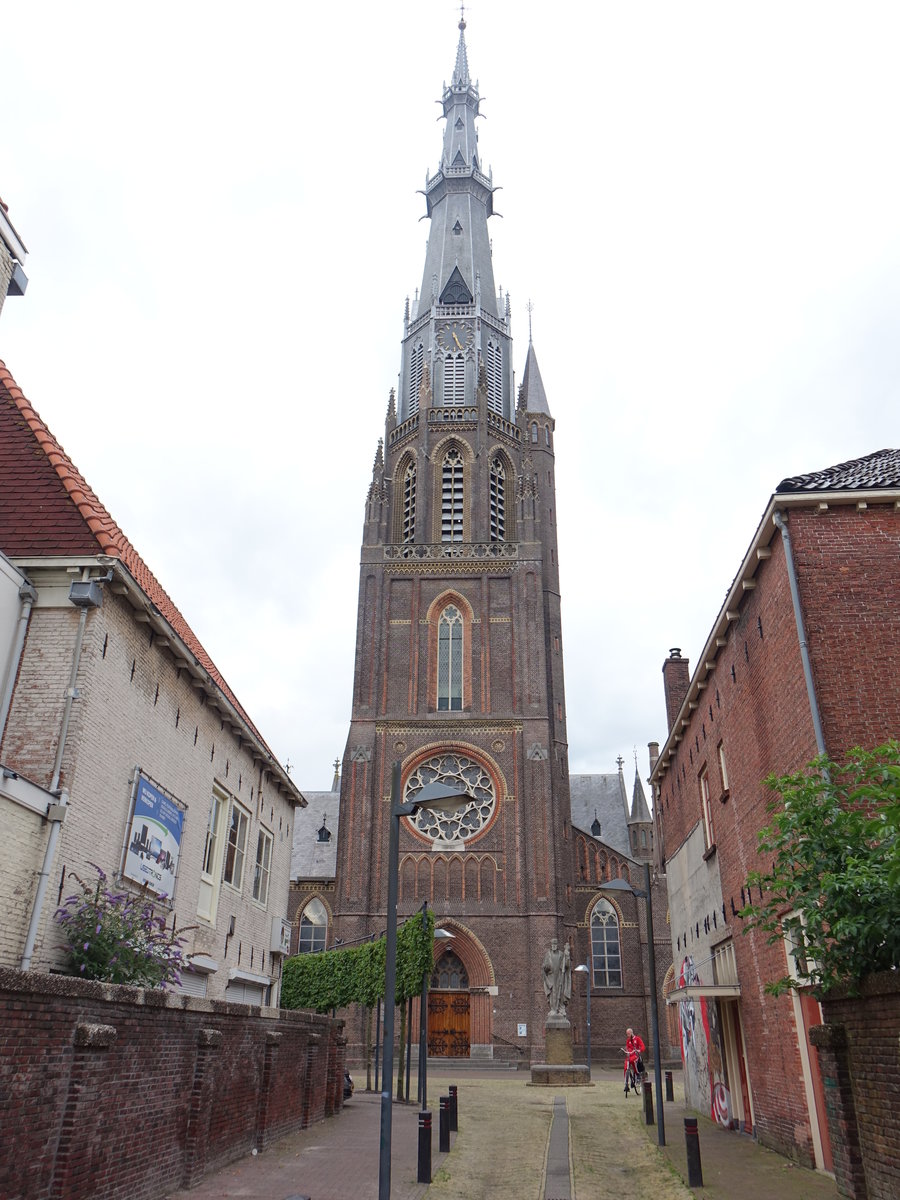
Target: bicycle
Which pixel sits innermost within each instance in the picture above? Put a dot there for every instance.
(633, 1072)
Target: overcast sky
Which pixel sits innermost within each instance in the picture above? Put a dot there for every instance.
(702, 200)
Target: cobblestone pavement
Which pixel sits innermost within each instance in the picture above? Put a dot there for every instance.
(501, 1150)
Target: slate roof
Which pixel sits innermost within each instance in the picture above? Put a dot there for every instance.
(639, 809)
(47, 509)
(878, 470)
(533, 398)
(310, 858)
(605, 795)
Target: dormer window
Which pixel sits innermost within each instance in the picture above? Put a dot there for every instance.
(324, 834)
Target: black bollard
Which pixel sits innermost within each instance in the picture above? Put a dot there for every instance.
(670, 1086)
(692, 1144)
(444, 1126)
(648, 1102)
(424, 1175)
(454, 1109)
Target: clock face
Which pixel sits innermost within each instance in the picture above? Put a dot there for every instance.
(455, 336)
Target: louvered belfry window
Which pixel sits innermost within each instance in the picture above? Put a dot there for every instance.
(408, 531)
(450, 659)
(498, 500)
(495, 378)
(454, 380)
(452, 497)
(416, 362)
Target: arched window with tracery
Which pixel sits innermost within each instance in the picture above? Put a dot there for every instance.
(313, 928)
(408, 525)
(498, 500)
(494, 366)
(606, 948)
(450, 660)
(534, 431)
(452, 496)
(450, 974)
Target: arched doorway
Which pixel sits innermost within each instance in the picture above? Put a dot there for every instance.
(448, 1008)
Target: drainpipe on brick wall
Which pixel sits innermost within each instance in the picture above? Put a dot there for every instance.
(84, 595)
(781, 525)
(28, 598)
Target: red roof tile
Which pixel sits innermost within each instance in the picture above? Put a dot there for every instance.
(47, 509)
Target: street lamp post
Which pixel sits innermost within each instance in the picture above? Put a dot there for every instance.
(435, 796)
(622, 885)
(440, 935)
(585, 969)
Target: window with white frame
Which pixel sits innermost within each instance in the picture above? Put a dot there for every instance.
(236, 850)
(263, 867)
(606, 948)
(213, 848)
(450, 659)
(709, 836)
(313, 928)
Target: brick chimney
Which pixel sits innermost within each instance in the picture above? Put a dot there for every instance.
(676, 680)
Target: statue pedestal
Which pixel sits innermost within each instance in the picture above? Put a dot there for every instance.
(559, 1070)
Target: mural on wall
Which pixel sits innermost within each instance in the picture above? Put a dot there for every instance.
(702, 1055)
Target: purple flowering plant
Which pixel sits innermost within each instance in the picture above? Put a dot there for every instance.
(117, 937)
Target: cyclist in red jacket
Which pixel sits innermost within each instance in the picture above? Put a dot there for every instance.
(634, 1048)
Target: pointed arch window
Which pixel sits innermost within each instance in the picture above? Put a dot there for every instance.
(498, 500)
(449, 974)
(454, 380)
(416, 362)
(534, 431)
(450, 660)
(313, 928)
(408, 528)
(606, 949)
(495, 377)
(452, 497)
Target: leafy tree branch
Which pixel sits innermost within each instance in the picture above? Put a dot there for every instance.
(834, 839)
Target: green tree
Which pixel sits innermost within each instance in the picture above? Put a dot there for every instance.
(835, 841)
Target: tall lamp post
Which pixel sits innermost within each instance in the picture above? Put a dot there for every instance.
(585, 969)
(434, 796)
(440, 935)
(622, 885)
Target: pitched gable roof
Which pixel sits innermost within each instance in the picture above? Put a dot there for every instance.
(878, 470)
(47, 509)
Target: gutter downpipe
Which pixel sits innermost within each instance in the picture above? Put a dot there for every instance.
(57, 812)
(781, 525)
(28, 597)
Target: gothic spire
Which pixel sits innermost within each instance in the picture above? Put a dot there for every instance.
(459, 200)
(461, 70)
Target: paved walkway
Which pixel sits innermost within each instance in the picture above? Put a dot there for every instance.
(509, 1145)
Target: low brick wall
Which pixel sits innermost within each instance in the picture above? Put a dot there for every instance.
(858, 1053)
(119, 1093)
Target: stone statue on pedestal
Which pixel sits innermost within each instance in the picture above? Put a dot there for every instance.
(557, 968)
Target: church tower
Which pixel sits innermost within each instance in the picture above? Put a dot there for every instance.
(459, 667)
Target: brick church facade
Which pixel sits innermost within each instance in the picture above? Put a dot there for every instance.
(459, 666)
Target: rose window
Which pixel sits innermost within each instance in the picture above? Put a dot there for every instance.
(472, 815)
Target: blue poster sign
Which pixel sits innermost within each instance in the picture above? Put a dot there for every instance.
(151, 857)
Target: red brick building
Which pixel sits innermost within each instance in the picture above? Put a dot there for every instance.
(803, 658)
(459, 664)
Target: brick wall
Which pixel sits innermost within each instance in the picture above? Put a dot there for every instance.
(858, 1052)
(117, 1092)
(753, 713)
